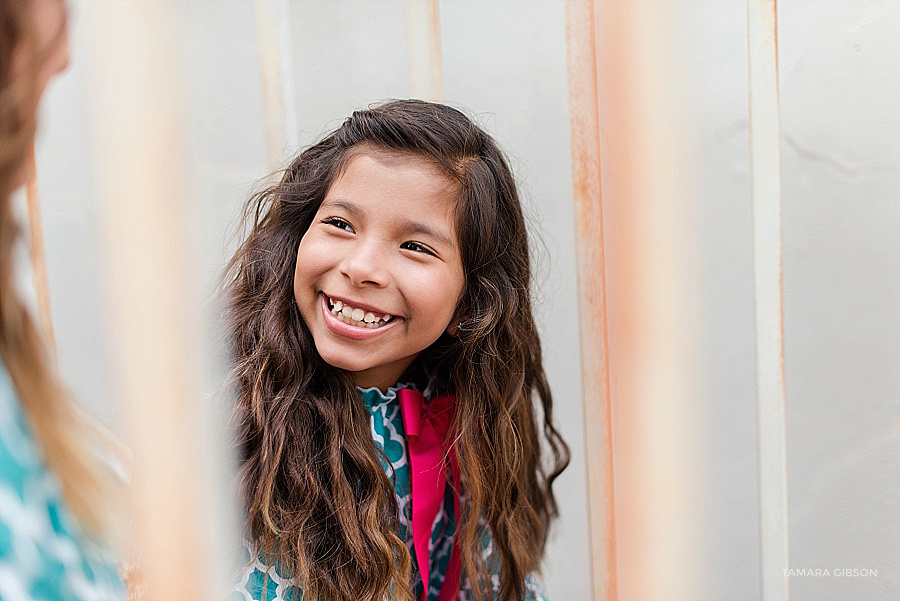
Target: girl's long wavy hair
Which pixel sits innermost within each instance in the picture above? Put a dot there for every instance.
(61, 430)
(319, 501)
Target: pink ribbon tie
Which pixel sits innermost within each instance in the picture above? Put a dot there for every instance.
(426, 427)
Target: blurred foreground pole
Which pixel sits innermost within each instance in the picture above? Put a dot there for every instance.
(273, 29)
(136, 104)
(765, 187)
(423, 41)
(581, 43)
(652, 311)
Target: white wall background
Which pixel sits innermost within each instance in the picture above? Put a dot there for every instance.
(505, 61)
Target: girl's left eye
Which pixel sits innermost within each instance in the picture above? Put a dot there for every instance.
(338, 223)
(415, 246)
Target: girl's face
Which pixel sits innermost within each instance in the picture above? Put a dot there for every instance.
(379, 273)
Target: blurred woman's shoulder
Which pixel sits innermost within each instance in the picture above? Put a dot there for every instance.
(44, 553)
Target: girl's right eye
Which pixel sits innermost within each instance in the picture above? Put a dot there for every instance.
(338, 223)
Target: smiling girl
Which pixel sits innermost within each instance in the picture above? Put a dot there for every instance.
(387, 367)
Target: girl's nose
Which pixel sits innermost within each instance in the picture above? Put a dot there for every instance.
(366, 265)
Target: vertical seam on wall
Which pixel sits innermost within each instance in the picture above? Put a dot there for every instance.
(764, 130)
(276, 75)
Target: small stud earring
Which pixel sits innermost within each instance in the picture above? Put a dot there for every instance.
(463, 325)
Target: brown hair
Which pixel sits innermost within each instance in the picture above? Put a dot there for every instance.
(319, 502)
(57, 424)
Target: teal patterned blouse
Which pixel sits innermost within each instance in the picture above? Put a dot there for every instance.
(388, 434)
(43, 554)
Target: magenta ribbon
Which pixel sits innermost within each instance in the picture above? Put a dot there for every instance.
(427, 426)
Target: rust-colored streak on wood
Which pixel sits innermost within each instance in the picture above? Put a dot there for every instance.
(38, 259)
(775, 37)
(585, 142)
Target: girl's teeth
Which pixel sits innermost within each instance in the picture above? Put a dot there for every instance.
(357, 317)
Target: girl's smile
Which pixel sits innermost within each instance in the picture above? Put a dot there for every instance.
(379, 273)
(355, 320)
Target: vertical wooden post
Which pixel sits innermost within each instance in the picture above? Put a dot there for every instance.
(423, 38)
(277, 72)
(765, 170)
(585, 142)
(137, 98)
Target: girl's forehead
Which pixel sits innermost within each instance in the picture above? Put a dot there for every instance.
(391, 157)
(373, 174)
(373, 169)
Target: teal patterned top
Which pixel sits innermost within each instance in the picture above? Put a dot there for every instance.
(389, 435)
(43, 553)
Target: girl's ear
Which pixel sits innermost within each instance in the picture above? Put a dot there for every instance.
(456, 324)
(453, 328)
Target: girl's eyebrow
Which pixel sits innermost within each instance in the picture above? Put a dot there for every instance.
(342, 204)
(421, 228)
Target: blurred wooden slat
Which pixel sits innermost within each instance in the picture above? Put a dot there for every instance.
(765, 178)
(585, 142)
(138, 105)
(652, 314)
(423, 40)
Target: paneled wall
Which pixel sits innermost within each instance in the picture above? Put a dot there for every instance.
(675, 499)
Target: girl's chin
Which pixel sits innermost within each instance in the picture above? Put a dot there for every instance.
(349, 364)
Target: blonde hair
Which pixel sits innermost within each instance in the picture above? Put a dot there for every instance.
(61, 430)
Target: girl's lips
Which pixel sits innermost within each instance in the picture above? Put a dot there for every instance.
(348, 330)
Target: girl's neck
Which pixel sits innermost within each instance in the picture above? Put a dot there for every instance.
(412, 374)
(382, 380)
